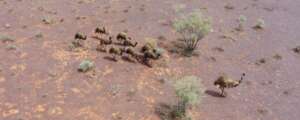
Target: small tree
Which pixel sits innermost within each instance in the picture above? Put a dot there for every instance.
(190, 91)
(192, 28)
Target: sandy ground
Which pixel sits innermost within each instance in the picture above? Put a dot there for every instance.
(39, 78)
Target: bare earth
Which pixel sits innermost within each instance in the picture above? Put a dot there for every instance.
(39, 79)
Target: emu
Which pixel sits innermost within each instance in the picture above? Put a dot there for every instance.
(101, 30)
(115, 51)
(149, 54)
(147, 47)
(226, 82)
(104, 43)
(130, 51)
(129, 43)
(123, 36)
(80, 36)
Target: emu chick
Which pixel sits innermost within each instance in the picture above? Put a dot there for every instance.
(115, 51)
(101, 30)
(80, 36)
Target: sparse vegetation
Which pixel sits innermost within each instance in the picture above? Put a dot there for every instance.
(242, 19)
(192, 28)
(189, 91)
(11, 47)
(6, 38)
(260, 24)
(85, 66)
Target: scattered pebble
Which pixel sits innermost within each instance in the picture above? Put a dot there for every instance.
(286, 92)
(47, 20)
(261, 61)
(229, 7)
(39, 35)
(161, 37)
(297, 49)
(219, 49)
(277, 57)
(262, 111)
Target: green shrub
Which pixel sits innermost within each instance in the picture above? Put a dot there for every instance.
(189, 91)
(193, 28)
(242, 19)
(85, 66)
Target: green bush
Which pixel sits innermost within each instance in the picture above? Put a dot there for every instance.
(85, 66)
(190, 91)
(193, 28)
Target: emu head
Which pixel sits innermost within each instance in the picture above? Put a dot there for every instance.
(242, 77)
(110, 39)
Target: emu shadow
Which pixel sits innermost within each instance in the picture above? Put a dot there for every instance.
(109, 58)
(118, 43)
(213, 93)
(128, 59)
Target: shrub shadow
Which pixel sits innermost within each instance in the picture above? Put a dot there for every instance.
(213, 93)
(163, 111)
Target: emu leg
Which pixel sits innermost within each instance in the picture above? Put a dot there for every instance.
(222, 92)
(114, 57)
(147, 62)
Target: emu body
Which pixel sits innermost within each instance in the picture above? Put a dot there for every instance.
(129, 43)
(122, 36)
(103, 43)
(101, 30)
(114, 51)
(130, 51)
(80, 36)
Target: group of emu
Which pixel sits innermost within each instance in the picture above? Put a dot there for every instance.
(148, 52)
(123, 44)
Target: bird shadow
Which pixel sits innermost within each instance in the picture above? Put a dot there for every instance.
(128, 59)
(213, 93)
(109, 58)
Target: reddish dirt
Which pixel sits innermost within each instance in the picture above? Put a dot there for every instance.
(39, 80)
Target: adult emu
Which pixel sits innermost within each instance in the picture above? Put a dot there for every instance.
(226, 82)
